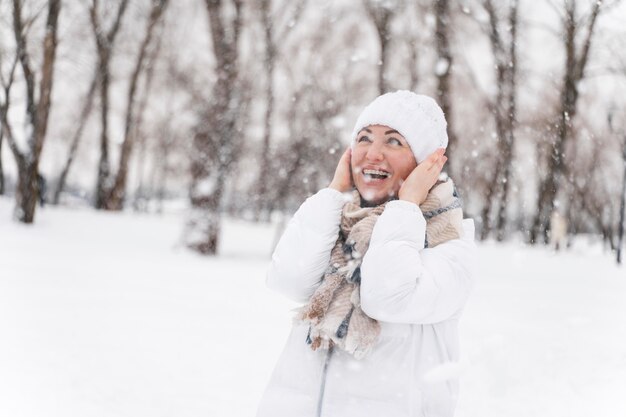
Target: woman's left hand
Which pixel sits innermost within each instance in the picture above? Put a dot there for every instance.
(416, 186)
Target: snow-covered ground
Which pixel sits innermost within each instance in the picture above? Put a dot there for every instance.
(108, 315)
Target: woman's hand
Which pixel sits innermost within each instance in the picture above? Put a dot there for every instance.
(342, 181)
(416, 186)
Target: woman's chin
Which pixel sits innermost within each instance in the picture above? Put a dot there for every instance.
(374, 197)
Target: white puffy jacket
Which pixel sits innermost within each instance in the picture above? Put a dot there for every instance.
(416, 294)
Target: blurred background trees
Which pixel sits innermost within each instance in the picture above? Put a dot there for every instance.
(242, 107)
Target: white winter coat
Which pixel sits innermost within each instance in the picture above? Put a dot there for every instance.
(416, 294)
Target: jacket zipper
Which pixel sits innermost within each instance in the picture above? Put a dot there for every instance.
(320, 399)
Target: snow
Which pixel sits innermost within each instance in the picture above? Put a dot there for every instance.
(108, 315)
(205, 187)
(441, 66)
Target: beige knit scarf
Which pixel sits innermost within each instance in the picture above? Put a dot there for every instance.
(334, 314)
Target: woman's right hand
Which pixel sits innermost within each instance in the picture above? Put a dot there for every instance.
(342, 181)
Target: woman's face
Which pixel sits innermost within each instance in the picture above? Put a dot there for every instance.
(381, 161)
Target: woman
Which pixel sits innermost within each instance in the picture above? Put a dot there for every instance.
(384, 276)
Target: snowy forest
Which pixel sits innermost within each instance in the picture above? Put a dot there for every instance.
(152, 152)
(241, 107)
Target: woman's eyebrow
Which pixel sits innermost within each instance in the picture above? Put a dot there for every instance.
(392, 131)
(366, 129)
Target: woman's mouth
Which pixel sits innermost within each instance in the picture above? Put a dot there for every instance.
(375, 175)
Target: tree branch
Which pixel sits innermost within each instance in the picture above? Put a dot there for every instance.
(116, 25)
(287, 26)
(8, 132)
(104, 42)
(47, 76)
(22, 53)
(582, 61)
(236, 25)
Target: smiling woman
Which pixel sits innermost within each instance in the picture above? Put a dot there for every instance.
(384, 276)
(381, 160)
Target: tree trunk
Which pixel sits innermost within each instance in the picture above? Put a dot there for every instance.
(205, 221)
(163, 172)
(115, 196)
(575, 64)
(262, 199)
(381, 14)
(4, 121)
(504, 112)
(37, 111)
(215, 143)
(270, 54)
(1, 167)
(443, 71)
(485, 214)
(26, 195)
(139, 134)
(622, 207)
(82, 121)
(104, 166)
(510, 121)
(105, 43)
(503, 108)
(413, 66)
(383, 39)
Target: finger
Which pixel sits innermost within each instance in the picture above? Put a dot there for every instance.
(441, 162)
(433, 174)
(429, 162)
(437, 154)
(436, 172)
(433, 164)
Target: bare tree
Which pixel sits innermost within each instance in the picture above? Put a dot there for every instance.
(575, 63)
(78, 133)
(217, 136)
(314, 111)
(417, 14)
(1, 167)
(443, 71)
(592, 206)
(6, 83)
(274, 29)
(115, 196)
(140, 134)
(37, 108)
(105, 42)
(621, 134)
(503, 108)
(381, 14)
(510, 120)
(413, 63)
(622, 205)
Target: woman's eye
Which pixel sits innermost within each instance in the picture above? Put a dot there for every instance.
(362, 138)
(394, 141)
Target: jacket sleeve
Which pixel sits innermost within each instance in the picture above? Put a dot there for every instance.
(303, 251)
(401, 282)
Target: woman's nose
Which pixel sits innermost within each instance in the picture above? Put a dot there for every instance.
(375, 152)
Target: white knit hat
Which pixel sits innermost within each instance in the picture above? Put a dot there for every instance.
(416, 117)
